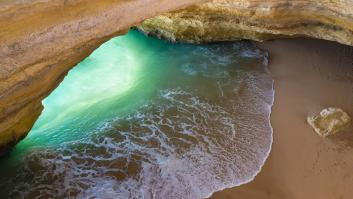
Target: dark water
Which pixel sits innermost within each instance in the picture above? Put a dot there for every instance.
(142, 118)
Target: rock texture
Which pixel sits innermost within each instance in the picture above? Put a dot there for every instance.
(222, 20)
(40, 40)
(330, 121)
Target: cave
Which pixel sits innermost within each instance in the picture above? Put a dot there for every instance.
(86, 112)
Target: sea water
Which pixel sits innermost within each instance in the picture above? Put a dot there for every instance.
(143, 118)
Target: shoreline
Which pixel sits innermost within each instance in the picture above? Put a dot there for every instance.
(309, 75)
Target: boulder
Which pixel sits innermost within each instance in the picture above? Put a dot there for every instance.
(330, 121)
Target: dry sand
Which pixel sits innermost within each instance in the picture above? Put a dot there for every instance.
(309, 75)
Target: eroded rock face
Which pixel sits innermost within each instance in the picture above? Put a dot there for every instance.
(330, 121)
(40, 40)
(222, 20)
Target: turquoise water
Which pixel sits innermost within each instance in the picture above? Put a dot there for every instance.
(143, 118)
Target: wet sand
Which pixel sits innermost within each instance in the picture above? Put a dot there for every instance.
(309, 75)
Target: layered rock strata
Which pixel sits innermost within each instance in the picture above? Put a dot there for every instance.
(40, 40)
(223, 20)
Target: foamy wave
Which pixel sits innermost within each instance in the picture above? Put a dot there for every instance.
(205, 128)
(180, 146)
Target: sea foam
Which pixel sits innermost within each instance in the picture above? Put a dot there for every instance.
(202, 127)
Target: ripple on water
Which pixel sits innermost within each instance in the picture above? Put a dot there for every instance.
(195, 136)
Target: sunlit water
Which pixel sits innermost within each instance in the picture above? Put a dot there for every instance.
(142, 118)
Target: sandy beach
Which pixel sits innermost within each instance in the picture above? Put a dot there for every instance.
(309, 75)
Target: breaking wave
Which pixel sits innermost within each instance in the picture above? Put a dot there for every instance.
(205, 128)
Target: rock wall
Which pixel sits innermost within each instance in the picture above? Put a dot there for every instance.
(222, 20)
(41, 40)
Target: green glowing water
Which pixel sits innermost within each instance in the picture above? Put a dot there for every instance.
(144, 118)
(109, 83)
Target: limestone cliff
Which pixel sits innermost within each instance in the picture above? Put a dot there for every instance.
(222, 20)
(40, 40)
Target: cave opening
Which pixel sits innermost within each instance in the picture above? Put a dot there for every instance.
(142, 117)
